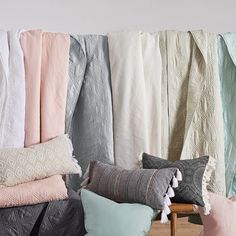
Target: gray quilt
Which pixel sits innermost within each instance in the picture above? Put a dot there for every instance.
(57, 218)
(89, 102)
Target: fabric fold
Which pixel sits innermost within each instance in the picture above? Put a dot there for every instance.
(31, 43)
(54, 80)
(89, 104)
(12, 91)
(227, 71)
(46, 84)
(191, 100)
(136, 94)
(4, 73)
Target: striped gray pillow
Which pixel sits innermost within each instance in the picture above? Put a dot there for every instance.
(132, 186)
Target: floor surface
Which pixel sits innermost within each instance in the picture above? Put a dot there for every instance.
(184, 228)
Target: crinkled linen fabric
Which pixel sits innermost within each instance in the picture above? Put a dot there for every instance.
(136, 93)
(89, 102)
(191, 100)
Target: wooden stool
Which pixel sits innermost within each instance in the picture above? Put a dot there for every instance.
(179, 208)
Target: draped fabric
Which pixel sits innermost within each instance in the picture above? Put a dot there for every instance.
(46, 84)
(191, 102)
(54, 80)
(136, 93)
(12, 90)
(31, 43)
(4, 70)
(227, 71)
(89, 105)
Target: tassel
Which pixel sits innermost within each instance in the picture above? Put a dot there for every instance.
(164, 218)
(167, 200)
(166, 210)
(175, 182)
(86, 174)
(170, 192)
(84, 182)
(179, 175)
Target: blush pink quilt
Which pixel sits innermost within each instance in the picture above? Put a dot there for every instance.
(46, 57)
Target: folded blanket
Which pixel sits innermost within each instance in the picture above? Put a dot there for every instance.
(89, 105)
(12, 91)
(46, 84)
(136, 94)
(191, 101)
(44, 190)
(55, 218)
(227, 69)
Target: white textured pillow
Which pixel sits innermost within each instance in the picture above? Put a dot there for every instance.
(21, 165)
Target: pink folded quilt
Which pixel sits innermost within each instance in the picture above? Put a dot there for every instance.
(45, 190)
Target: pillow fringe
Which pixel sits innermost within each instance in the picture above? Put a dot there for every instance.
(210, 167)
(71, 149)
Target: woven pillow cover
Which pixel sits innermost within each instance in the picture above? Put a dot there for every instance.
(150, 187)
(21, 165)
(196, 174)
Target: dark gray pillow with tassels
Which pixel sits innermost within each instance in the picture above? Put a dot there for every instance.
(150, 187)
(195, 176)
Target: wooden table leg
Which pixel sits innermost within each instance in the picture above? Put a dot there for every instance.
(173, 224)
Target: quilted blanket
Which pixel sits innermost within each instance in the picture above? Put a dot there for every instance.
(227, 69)
(60, 218)
(89, 104)
(191, 101)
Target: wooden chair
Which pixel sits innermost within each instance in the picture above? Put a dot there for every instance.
(179, 208)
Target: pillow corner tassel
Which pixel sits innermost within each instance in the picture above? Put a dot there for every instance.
(169, 194)
(140, 158)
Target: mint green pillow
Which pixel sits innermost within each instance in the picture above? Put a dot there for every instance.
(104, 217)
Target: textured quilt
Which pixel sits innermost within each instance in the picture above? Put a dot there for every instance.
(59, 218)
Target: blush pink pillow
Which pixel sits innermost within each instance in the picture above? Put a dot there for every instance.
(222, 218)
(39, 191)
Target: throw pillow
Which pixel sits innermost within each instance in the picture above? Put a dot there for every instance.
(150, 187)
(221, 220)
(20, 165)
(196, 174)
(104, 217)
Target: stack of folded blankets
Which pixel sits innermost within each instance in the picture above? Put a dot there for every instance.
(35, 174)
(31, 185)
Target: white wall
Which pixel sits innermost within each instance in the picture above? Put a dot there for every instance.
(101, 16)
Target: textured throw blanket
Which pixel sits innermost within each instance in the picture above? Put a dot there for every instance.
(4, 70)
(227, 69)
(89, 105)
(57, 218)
(191, 101)
(12, 90)
(46, 57)
(136, 93)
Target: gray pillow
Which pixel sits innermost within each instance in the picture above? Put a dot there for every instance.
(195, 176)
(148, 187)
